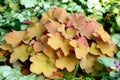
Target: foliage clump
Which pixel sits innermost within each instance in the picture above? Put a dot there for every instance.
(58, 41)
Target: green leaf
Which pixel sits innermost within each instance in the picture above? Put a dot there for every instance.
(118, 20)
(65, 1)
(106, 61)
(112, 74)
(116, 39)
(5, 70)
(118, 54)
(29, 3)
(28, 77)
(1, 77)
(3, 58)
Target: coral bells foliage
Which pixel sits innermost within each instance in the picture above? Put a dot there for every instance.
(58, 41)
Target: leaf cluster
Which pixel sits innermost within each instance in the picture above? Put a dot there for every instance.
(58, 41)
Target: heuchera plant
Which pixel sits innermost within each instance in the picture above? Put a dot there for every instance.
(58, 41)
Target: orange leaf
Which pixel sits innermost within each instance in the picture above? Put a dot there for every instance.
(14, 38)
(21, 53)
(81, 50)
(52, 26)
(67, 62)
(56, 14)
(67, 33)
(35, 31)
(6, 46)
(88, 63)
(49, 52)
(37, 45)
(94, 50)
(106, 48)
(99, 33)
(56, 41)
(88, 28)
(42, 64)
(77, 20)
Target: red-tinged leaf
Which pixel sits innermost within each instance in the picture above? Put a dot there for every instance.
(82, 40)
(77, 20)
(101, 34)
(27, 22)
(15, 37)
(36, 45)
(52, 26)
(58, 74)
(3, 53)
(89, 27)
(67, 33)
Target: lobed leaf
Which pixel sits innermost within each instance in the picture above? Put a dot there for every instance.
(42, 64)
(15, 37)
(103, 35)
(21, 52)
(34, 32)
(88, 62)
(106, 48)
(67, 33)
(94, 50)
(67, 62)
(81, 50)
(52, 26)
(56, 41)
(56, 14)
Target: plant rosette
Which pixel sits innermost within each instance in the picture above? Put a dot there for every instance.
(58, 41)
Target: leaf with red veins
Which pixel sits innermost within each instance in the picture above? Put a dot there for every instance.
(100, 33)
(14, 37)
(56, 14)
(68, 32)
(77, 20)
(56, 41)
(106, 48)
(81, 50)
(67, 62)
(52, 26)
